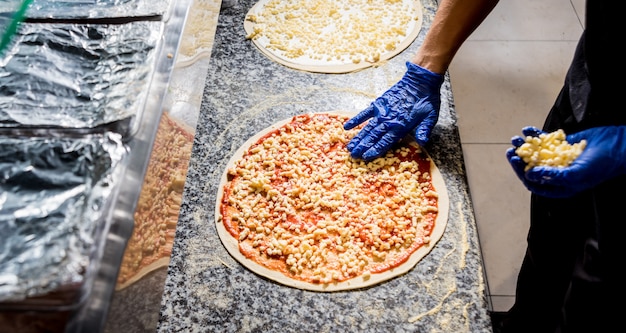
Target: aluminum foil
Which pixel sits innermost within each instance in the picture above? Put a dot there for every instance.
(77, 75)
(65, 9)
(55, 198)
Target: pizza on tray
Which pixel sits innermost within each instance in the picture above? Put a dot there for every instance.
(294, 207)
(156, 216)
(333, 36)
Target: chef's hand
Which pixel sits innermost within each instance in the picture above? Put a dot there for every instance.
(603, 158)
(410, 106)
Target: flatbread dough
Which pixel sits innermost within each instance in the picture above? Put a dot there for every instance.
(232, 245)
(333, 36)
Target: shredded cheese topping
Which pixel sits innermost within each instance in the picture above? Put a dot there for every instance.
(549, 149)
(298, 203)
(334, 31)
(159, 203)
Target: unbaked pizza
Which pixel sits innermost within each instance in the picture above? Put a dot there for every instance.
(156, 216)
(295, 207)
(333, 36)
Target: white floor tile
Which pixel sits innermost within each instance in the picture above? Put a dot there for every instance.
(579, 7)
(501, 205)
(500, 87)
(502, 303)
(530, 20)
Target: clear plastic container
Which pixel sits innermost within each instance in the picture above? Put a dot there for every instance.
(56, 292)
(11, 14)
(79, 76)
(55, 212)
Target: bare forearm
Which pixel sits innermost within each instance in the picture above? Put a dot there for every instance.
(454, 21)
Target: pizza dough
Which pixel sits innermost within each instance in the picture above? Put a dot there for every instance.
(272, 258)
(333, 36)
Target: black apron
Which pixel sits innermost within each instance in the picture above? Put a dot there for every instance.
(569, 280)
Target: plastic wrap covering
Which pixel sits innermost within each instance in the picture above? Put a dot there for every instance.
(77, 76)
(55, 200)
(64, 9)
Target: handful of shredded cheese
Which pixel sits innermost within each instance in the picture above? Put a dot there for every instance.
(549, 149)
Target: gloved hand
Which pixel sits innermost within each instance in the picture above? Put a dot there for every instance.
(603, 158)
(410, 106)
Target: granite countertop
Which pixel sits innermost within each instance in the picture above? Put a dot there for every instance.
(207, 290)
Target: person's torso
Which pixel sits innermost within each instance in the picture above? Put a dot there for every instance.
(595, 80)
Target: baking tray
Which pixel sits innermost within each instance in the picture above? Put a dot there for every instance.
(79, 76)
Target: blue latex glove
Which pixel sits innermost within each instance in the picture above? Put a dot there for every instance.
(603, 158)
(410, 106)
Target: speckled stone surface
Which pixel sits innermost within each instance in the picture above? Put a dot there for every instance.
(206, 290)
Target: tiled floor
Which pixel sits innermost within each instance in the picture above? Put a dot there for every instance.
(506, 76)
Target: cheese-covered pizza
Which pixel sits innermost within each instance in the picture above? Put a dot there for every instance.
(333, 36)
(294, 207)
(156, 216)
